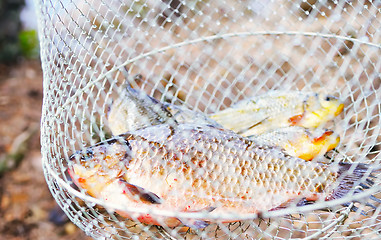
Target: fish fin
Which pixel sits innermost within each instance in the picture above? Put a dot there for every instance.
(353, 178)
(140, 193)
(327, 133)
(304, 202)
(354, 208)
(197, 223)
(206, 209)
(252, 126)
(375, 199)
(368, 204)
(364, 186)
(370, 182)
(151, 104)
(294, 120)
(298, 201)
(357, 181)
(349, 175)
(283, 205)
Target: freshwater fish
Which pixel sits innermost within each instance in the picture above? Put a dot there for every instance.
(201, 168)
(299, 141)
(133, 109)
(277, 109)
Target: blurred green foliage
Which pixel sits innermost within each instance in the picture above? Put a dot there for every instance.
(28, 43)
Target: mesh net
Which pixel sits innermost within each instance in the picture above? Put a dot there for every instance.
(203, 56)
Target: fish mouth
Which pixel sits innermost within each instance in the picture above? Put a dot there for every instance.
(332, 102)
(339, 109)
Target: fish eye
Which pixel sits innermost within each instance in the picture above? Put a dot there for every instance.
(87, 155)
(329, 98)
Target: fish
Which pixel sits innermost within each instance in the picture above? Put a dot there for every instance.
(300, 142)
(277, 109)
(133, 109)
(201, 168)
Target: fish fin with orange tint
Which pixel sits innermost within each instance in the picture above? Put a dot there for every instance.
(323, 137)
(140, 193)
(294, 120)
(304, 202)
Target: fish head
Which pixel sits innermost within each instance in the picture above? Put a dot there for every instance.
(333, 105)
(96, 167)
(319, 109)
(109, 154)
(317, 143)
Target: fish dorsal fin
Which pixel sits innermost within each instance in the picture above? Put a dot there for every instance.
(253, 126)
(140, 193)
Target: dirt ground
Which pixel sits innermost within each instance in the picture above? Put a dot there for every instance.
(27, 209)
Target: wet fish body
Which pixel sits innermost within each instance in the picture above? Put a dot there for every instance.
(277, 109)
(191, 168)
(300, 142)
(134, 109)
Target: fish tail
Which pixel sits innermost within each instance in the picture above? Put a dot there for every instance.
(355, 178)
(351, 177)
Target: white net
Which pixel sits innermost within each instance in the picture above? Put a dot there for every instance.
(198, 58)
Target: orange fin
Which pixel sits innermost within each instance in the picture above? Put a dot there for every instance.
(327, 133)
(140, 193)
(294, 120)
(305, 201)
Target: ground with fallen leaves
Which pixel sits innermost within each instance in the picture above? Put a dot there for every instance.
(27, 209)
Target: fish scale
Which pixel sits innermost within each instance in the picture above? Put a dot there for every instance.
(276, 118)
(176, 164)
(277, 109)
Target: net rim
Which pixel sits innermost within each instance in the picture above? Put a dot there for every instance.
(82, 208)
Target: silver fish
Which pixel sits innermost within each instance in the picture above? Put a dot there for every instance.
(134, 109)
(277, 109)
(300, 142)
(191, 168)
